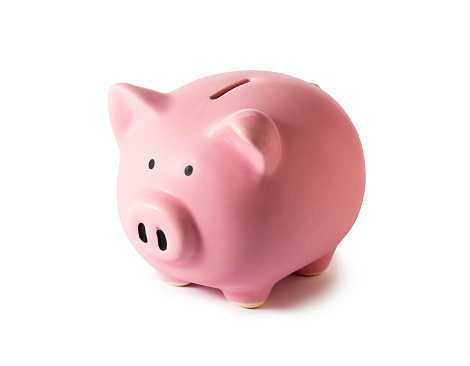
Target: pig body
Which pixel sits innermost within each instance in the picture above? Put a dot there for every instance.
(236, 180)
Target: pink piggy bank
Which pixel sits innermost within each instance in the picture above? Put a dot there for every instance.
(236, 180)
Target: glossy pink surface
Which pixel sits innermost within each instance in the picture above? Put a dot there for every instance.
(277, 182)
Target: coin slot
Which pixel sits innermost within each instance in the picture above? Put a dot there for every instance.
(226, 89)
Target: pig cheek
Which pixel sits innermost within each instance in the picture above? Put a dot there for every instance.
(217, 199)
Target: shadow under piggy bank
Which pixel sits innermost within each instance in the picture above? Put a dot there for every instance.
(291, 291)
(296, 290)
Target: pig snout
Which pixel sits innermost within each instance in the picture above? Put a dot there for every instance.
(162, 227)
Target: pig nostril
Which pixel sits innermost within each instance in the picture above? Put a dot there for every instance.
(142, 234)
(161, 240)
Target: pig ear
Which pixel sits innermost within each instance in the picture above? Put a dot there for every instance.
(253, 134)
(128, 104)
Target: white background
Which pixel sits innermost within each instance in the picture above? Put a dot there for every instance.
(74, 292)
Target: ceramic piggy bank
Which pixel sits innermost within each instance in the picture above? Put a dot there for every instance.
(236, 180)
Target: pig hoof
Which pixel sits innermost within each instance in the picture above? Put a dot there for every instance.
(248, 298)
(248, 306)
(179, 284)
(171, 280)
(317, 267)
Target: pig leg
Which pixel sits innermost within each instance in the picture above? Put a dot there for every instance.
(248, 297)
(171, 280)
(317, 267)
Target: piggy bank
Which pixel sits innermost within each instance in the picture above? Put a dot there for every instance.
(236, 180)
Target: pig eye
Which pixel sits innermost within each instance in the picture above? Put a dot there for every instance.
(188, 170)
(151, 163)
